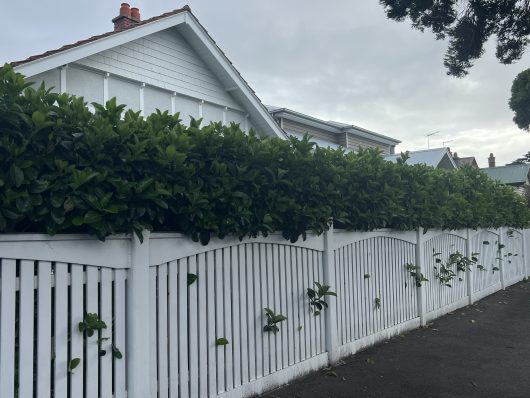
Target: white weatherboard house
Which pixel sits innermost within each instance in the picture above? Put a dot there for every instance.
(168, 62)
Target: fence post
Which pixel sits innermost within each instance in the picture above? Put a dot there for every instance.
(138, 347)
(469, 272)
(526, 269)
(500, 257)
(332, 345)
(420, 290)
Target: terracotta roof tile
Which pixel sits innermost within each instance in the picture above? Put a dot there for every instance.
(101, 36)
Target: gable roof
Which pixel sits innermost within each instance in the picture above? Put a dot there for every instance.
(436, 157)
(467, 161)
(331, 126)
(511, 174)
(196, 35)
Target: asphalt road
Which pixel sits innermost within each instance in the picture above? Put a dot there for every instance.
(480, 351)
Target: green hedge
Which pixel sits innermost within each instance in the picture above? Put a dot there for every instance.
(65, 169)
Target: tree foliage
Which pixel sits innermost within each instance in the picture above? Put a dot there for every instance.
(469, 24)
(64, 169)
(520, 99)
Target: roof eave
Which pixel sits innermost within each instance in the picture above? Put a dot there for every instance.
(73, 54)
(332, 127)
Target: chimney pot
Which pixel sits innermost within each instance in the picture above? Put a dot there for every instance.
(125, 9)
(128, 17)
(135, 14)
(491, 160)
(455, 155)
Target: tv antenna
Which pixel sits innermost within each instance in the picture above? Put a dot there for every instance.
(429, 136)
(447, 142)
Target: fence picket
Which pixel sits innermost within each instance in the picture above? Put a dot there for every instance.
(203, 326)
(162, 341)
(214, 292)
(7, 327)
(92, 349)
(251, 325)
(228, 313)
(26, 339)
(119, 333)
(183, 327)
(258, 309)
(153, 386)
(173, 320)
(193, 338)
(44, 342)
(217, 274)
(243, 314)
(106, 316)
(60, 341)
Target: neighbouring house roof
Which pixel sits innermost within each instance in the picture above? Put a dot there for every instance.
(436, 157)
(331, 126)
(516, 174)
(467, 161)
(196, 35)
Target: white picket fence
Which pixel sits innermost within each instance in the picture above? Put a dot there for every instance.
(167, 330)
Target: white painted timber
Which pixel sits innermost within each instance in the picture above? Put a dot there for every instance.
(60, 341)
(137, 314)
(27, 316)
(167, 330)
(44, 341)
(7, 328)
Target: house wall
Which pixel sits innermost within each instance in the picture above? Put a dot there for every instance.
(352, 141)
(298, 128)
(159, 71)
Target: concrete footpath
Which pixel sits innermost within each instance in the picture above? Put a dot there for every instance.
(478, 351)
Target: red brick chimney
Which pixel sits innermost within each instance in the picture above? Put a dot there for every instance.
(135, 14)
(491, 160)
(128, 17)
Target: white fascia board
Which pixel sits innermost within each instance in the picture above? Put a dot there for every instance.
(307, 120)
(371, 135)
(234, 76)
(85, 50)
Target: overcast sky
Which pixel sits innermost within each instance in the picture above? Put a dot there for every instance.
(339, 60)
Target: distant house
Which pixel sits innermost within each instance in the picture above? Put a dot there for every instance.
(331, 134)
(168, 62)
(515, 175)
(437, 157)
(465, 161)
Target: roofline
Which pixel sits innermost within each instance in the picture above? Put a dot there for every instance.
(330, 126)
(527, 165)
(447, 153)
(73, 54)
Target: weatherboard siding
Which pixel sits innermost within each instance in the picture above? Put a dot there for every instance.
(354, 142)
(51, 78)
(298, 128)
(166, 61)
(151, 73)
